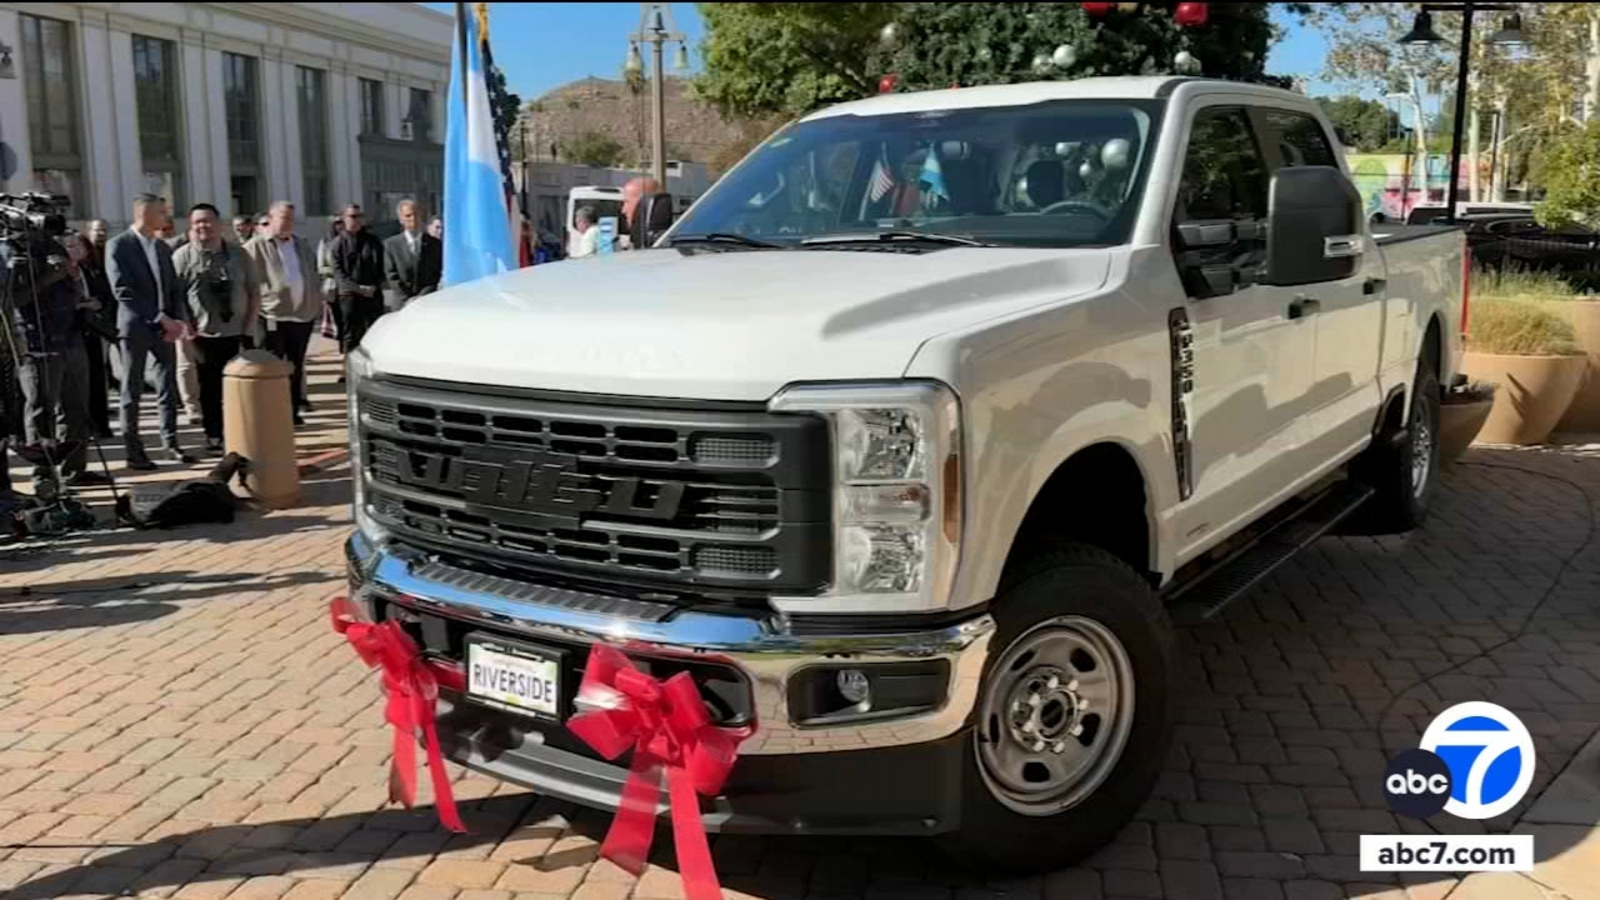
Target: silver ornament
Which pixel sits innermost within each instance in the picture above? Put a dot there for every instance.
(1041, 64)
(1064, 56)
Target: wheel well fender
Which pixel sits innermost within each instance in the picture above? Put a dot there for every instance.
(1098, 495)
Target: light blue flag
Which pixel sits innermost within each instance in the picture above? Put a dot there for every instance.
(932, 175)
(477, 230)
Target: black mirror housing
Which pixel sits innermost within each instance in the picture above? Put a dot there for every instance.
(1314, 227)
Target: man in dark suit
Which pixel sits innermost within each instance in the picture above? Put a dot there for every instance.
(152, 316)
(413, 260)
(358, 274)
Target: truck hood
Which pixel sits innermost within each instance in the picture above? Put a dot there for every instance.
(717, 325)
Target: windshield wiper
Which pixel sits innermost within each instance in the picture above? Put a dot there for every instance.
(723, 237)
(931, 237)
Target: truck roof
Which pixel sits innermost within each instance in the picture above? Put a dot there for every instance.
(1138, 87)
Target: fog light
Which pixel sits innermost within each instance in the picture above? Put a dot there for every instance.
(854, 686)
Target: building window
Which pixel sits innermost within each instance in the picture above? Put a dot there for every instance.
(242, 104)
(313, 109)
(155, 78)
(371, 108)
(48, 79)
(421, 114)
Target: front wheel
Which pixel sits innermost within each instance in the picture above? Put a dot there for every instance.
(1073, 715)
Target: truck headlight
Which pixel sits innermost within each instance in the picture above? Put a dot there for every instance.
(357, 369)
(897, 493)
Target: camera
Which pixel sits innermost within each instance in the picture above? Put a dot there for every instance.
(34, 214)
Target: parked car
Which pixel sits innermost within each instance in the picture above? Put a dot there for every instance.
(1425, 215)
(1520, 241)
(909, 442)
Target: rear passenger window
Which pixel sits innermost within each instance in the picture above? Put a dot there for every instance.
(1224, 176)
(1301, 141)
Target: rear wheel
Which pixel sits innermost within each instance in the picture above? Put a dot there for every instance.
(1404, 474)
(1073, 714)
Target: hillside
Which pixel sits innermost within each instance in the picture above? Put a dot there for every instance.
(695, 131)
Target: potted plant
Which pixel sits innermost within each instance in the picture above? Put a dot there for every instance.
(1584, 413)
(1527, 349)
(1461, 416)
(1572, 198)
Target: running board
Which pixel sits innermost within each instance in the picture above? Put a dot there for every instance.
(1210, 592)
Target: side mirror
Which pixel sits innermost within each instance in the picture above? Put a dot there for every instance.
(1314, 227)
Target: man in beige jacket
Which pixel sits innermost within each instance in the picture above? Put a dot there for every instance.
(287, 297)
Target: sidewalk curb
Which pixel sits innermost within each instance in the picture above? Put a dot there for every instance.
(323, 461)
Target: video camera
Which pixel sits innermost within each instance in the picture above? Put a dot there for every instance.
(34, 214)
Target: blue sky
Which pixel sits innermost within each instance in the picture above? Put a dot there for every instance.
(544, 45)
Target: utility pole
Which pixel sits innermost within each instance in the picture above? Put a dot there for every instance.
(655, 29)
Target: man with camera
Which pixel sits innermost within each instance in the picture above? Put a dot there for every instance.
(213, 276)
(42, 292)
(151, 317)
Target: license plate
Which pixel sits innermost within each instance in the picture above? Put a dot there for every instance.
(514, 677)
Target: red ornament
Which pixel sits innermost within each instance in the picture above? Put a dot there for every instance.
(1190, 14)
(413, 690)
(887, 82)
(1097, 9)
(666, 726)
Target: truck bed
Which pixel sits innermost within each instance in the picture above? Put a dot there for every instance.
(1397, 233)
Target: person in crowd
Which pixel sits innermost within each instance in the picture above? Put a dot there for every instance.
(585, 235)
(151, 317)
(286, 294)
(330, 284)
(262, 221)
(216, 285)
(633, 193)
(413, 260)
(52, 368)
(436, 228)
(97, 321)
(243, 228)
(358, 269)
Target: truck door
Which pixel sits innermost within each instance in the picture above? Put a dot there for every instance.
(1348, 313)
(1252, 350)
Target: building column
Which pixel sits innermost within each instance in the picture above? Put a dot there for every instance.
(274, 118)
(129, 154)
(101, 134)
(196, 120)
(352, 143)
(290, 117)
(14, 109)
(394, 109)
(341, 139)
(217, 116)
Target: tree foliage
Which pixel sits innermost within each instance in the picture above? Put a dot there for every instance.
(1572, 180)
(592, 148)
(1367, 125)
(964, 44)
(763, 59)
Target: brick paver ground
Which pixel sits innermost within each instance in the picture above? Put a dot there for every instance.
(177, 720)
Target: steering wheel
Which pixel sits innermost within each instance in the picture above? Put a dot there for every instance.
(1076, 206)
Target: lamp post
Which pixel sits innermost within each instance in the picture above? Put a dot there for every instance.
(1422, 33)
(655, 29)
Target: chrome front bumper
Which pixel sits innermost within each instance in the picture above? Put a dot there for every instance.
(766, 648)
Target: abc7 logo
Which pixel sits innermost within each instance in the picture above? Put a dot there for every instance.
(1476, 761)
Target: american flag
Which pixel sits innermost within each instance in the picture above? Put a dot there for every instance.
(882, 180)
(502, 140)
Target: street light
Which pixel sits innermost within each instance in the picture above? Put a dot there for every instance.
(655, 29)
(1422, 33)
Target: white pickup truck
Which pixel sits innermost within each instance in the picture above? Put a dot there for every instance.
(910, 441)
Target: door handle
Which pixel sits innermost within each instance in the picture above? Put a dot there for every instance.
(1303, 306)
(1373, 285)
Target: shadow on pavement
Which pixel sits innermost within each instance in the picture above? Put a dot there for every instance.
(121, 600)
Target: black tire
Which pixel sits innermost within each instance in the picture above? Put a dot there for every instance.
(1402, 499)
(1087, 584)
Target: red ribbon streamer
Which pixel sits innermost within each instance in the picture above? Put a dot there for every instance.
(666, 726)
(413, 692)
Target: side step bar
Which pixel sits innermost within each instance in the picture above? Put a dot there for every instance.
(1210, 592)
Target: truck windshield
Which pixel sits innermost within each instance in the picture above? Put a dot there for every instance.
(1065, 173)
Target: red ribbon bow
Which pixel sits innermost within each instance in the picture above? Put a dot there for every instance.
(413, 692)
(666, 726)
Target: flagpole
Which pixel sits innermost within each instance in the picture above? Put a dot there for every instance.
(461, 44)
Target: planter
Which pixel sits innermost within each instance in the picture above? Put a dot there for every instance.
(1461, 417)
(1535, 392)
(1584, 413)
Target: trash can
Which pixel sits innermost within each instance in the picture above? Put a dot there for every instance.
(259, 426)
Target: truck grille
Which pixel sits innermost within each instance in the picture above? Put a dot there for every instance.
(720, 501)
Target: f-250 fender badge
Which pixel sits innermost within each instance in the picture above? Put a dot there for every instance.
(1180, 337)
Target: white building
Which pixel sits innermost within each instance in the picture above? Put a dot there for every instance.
(236, 104)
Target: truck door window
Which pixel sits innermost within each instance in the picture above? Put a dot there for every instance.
(1300, 138)
(1224, 176)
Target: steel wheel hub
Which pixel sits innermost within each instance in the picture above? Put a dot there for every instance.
(1421, 454)
(1055, 715)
